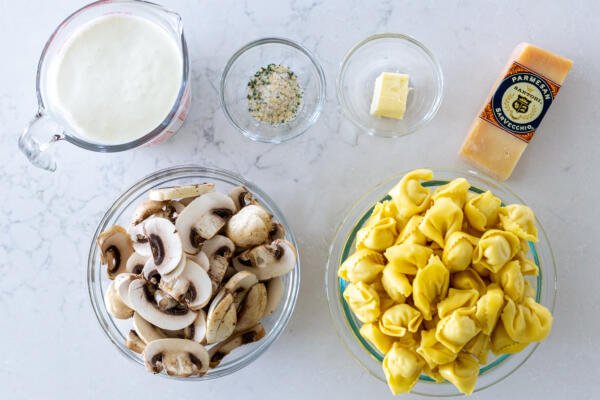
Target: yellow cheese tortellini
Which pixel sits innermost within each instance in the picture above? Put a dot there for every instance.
(457, 298)
(433, 352)
(520, 220)
(526, 322)
(379, 236)
(511, 280)
(457, 329)
(395, 283)
(381, 341)
(458, 253)
(488, 308)
(409, 195)
(462, 372)
(482, 211)
(363, 300)
(501, 343)
(430, 286)
(439, 279)
(362, 266)
(402, 368)
(399, 320)
(479, 347)
(495, 248)
(441, 220)
(408, 258)
(411, 233)
(456, 190)
(468, 279)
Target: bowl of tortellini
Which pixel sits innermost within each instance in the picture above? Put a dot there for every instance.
(441, 282)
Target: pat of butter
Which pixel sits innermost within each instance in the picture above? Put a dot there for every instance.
(389, 95)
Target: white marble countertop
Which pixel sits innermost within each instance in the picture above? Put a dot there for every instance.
(50, 341)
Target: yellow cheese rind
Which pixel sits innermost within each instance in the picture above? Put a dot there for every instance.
(490, 148)
(389, 95)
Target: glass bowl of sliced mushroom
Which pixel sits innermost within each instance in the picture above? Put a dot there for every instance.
(193, 273)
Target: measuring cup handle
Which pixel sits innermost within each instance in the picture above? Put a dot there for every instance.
(37, 139)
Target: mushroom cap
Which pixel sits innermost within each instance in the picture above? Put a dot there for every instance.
(192, 286)
(221, 318)
(135, 263)
(147, 309)
(115, 306)
(241, 197)
(252, 307)
(268, 260)
(274, 294)
(180, 192)
(145, 330)
(165, 244)
(249, 227)
(220, 350)
(178, 357)
(115, 249)
(242, 280)
(198, 328)
(203, 218)
(277, 232)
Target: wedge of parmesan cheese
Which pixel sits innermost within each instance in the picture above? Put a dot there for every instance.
(517, 104)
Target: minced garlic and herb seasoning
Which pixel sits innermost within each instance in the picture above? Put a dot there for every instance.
(274, 95)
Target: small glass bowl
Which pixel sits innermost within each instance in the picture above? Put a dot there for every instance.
(347, 325)
(252, 57)
(389, 52)
(120, 213)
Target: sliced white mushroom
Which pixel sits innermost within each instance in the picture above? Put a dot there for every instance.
(178, 357)
(143, 303)
(150, 273)
(220, 350)
(180, 192)
(135, 263)
(241, 197)
(239, 284)
(197, 331)
(249, 227)
(115, 249)
(267, 261)
(277, 232)
(252, 307)
(145, 330)
(175, 273)
(165, 302)
(219, 250)
(165, 244)
(134, 342)
(201, 259)
(203, 218)
(121, 284)
(115, 306)
(139, 240)
(193, 286)
(274, 294)
(221, 318)
(146, 209)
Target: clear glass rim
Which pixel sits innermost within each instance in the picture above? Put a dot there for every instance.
(95, 288)
(183, 89)
(322, 90)
(434, 108)
(343, 329)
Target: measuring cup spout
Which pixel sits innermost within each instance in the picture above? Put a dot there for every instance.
(37, 139)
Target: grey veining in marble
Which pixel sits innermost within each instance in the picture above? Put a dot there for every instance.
(50, 343)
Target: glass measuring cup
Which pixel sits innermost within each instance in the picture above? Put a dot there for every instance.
(48, 126)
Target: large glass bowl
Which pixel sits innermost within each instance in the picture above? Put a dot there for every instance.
(120, 213)
(241, 68)
(389, 52)
(347, 325)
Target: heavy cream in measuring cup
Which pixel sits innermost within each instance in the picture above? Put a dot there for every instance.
(116, 79)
